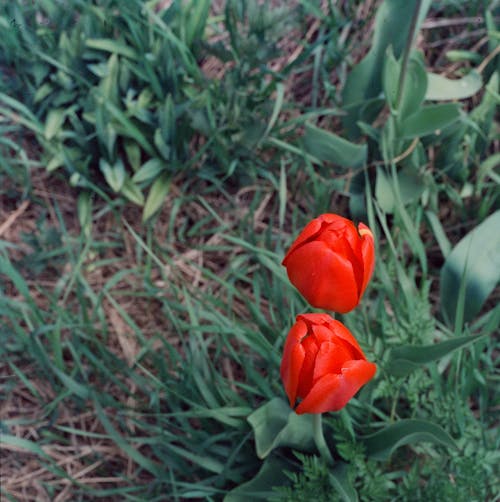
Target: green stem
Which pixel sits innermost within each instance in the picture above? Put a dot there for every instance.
(406, 53)
(319, 439)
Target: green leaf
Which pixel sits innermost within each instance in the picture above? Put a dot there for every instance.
(275, 424)
(132, 192)
(476, 261)
(84, 209)
(196, 19)
(156, 196)
(327, 146)
(403, 360)
(392, 23)
(411, 187)
(260, 487)
(415, 84)
(115, 175)
(439, 233)
(444, 89)
(383, 443)
(109, 45)
(54, 122)
(129, 128)
(150, 169)
(430, 120)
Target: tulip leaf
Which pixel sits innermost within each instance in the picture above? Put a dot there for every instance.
(382, 444)
(392, 23)
(403, 360)
(474, 267)
(275, 424)
(430, 120)
(260, 487)
(440, 88)
(411, 187)
(327, 146)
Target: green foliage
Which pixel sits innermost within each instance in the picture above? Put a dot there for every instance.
(154, 343)
(312, 482)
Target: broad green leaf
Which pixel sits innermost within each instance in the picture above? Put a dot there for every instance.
(329, 147)
(115, 174)
(444, 89)
(113, 46)
(415, 84)
(157, 193)
(415, 87)
(161, 144)
(403, 360)
(383, 443)
(129, 128)
(430, 120)
(392, 24)
(260, 487)
(56, 161)
(132, 192)
(390, 77)
(411, 187)
(476, 261)
(54, 122)
(42, 92)
(150, 169)
(133, 152)
(275, 424)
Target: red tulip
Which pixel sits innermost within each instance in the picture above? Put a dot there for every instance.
(322, 364)
(331, 262)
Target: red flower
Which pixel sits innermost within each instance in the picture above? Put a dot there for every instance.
(331, 262)
(322, 364)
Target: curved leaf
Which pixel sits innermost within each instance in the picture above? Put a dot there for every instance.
(403, 360)
(276, 424)
(327, 146)
(474, 267)
(430, 120)
(382, 444)
(440, 88)
(260, 487)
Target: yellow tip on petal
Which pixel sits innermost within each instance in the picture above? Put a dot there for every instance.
(365, 231)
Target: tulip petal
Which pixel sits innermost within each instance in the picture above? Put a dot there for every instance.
(340, 331)
(307, 370)
(293, 358)
(330, 359)
(324, 278)
(309, 232)
(368, 255)
(313, 228)
(332, 392)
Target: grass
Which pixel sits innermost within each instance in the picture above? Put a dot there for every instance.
(133, 352)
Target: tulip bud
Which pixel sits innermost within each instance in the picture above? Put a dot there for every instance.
(322, 364)
(331, 262)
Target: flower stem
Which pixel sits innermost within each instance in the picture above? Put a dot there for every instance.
(319, 439)
(406, 53)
